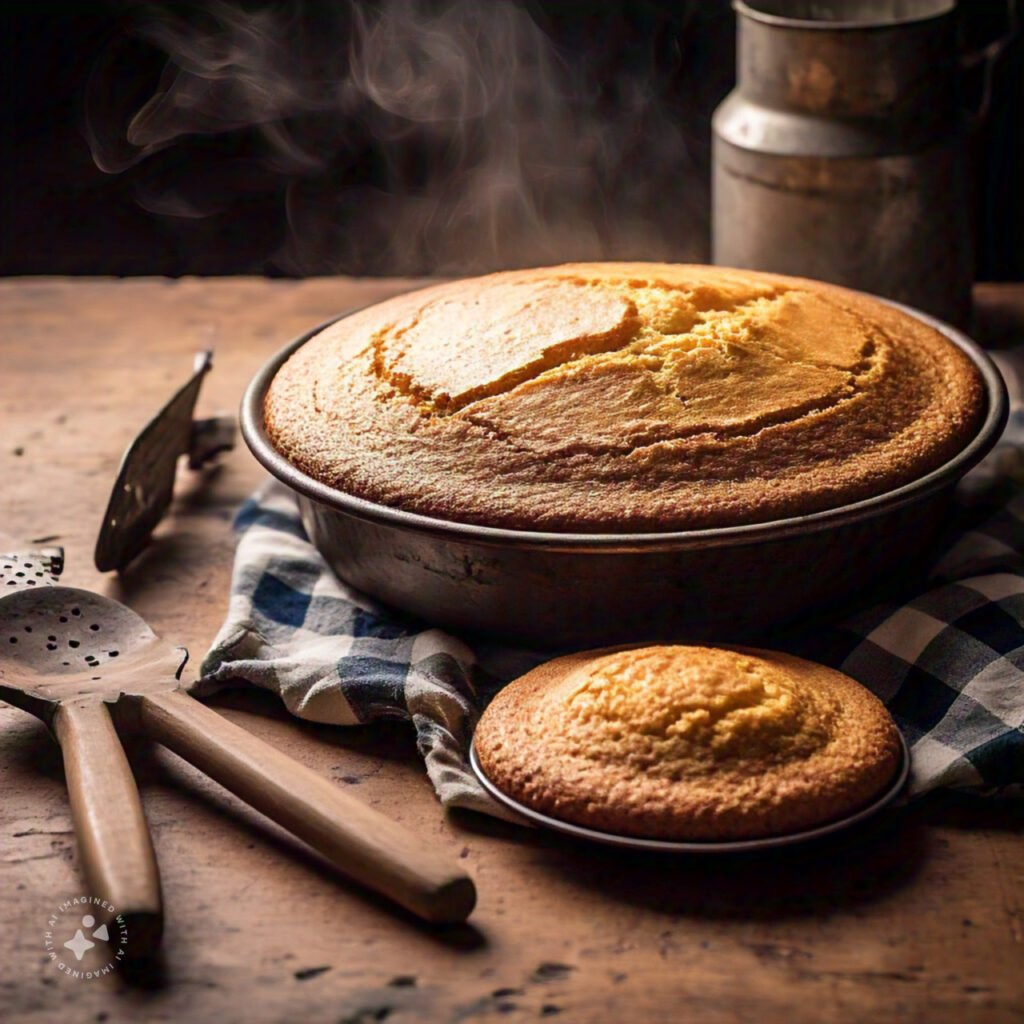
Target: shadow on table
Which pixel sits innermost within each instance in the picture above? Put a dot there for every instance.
(1002, 812)
(814, 879)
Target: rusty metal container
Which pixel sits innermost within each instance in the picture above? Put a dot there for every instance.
(841, 153)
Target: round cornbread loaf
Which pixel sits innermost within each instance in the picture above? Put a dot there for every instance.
(623, 397)
(688, 743)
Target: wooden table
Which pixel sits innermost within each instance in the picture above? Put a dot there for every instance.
(919, 918)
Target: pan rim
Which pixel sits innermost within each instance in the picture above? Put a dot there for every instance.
(254, 432)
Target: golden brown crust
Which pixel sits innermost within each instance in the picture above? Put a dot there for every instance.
(619, 397)
(688, 743)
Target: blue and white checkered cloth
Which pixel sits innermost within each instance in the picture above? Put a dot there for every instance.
(948, 664)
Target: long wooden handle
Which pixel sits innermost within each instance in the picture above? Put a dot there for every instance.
(372, 849)
(114, 844)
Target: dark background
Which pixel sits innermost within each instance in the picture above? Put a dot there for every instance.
(647, 74)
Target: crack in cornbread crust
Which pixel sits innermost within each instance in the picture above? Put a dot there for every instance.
(622, 397)
(688, 743)
(563, 328)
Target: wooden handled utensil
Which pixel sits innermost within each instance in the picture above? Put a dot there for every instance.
(75, 659)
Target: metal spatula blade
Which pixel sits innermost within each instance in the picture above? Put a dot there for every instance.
(144, 486)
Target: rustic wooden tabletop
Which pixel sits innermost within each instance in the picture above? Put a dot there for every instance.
(918, 917)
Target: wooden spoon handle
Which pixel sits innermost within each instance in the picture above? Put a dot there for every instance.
(114, 844)
(367, 846)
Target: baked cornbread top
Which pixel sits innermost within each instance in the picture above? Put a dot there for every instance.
(688, 742)
(615, 397)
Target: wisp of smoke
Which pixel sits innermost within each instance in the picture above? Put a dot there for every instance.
(411, 137)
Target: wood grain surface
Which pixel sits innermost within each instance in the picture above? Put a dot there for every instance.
(919, 917)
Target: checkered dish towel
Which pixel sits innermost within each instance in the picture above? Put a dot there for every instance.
(948, 664)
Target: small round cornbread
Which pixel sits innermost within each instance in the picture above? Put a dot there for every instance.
(688, 743)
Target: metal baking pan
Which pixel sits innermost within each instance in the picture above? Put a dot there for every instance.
(575, 590)
(891, 792)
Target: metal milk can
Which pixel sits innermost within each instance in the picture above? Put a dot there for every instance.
(842, 152)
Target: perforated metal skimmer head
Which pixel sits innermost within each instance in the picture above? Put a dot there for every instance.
(58, 643)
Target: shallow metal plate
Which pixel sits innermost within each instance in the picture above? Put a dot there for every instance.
(670, 846)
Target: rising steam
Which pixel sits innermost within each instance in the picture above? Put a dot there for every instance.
(407, 137)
